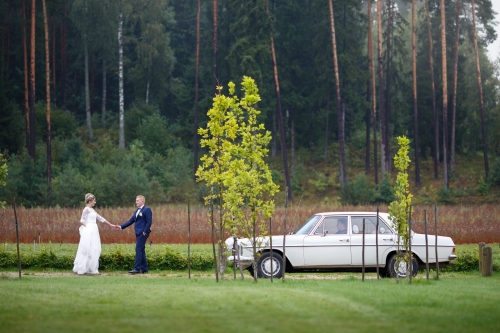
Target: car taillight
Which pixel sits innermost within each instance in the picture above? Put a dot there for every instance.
(453, 251)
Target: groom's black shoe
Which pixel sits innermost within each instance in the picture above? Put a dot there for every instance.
(134, 271)
(144, 272)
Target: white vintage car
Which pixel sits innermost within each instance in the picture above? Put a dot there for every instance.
(333, 241)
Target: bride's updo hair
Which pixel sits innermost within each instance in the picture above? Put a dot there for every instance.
(89, 197)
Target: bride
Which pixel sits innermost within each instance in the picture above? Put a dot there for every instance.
(89, 248)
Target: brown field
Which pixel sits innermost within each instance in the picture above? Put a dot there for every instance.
(465, 224)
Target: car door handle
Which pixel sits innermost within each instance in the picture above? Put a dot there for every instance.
(387, 239)
(346, 240)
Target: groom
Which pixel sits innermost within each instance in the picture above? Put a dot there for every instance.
(143, 218)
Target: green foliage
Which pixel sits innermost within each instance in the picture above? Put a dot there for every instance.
(63, 124)
(385, 191)
(495, 172)
(358, 192)
(483, 187)
(234, 169)
(115, 259)
(154, 133)
(466, 261)
(400, 209)
(445, 195)
(3, 174)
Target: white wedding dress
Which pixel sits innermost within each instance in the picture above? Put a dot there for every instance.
(89, 248)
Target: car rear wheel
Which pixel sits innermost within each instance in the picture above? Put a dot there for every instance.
(400, 269)
(264, 265)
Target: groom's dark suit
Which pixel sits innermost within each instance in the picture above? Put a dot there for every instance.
(143, 218)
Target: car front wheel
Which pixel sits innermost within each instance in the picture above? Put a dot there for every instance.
(264, 265)
(399, 269)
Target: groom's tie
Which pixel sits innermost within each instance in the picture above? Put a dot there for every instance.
(137, 213)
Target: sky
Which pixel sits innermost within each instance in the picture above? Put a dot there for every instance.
(494, 48)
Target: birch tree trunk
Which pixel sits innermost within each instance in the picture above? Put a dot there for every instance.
(87, 89)
(435, 155)
(455, 84)
(415, 107)
(445, 95)
(121, 140)
(340, 110)
(47, 110)
(480, 88)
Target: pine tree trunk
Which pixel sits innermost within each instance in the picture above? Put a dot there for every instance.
(388, 88)
(415, 107)
(64, 60)
(121, 141)
(92, 82)
(54, 86)
(104, 92)
(26, 81)
(31, 148)
(367, 124)
(455, 84)
(445, 95)
(47, 110)
(196, 79)
(340, 110)
(435, 150)
(480, 88)
(215, 45)
(280, 118)
(381, 103)
(275, 134)
(373, 91)
(327, 129)
(292, 144)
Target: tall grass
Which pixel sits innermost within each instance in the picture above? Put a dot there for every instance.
(464, 224)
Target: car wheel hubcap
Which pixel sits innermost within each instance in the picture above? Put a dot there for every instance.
(401, 269)
(266, 267)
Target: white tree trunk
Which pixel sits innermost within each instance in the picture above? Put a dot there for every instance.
(121, 142)
(87, 90)
(147, 93)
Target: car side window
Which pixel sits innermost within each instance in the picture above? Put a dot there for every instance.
(330, 225)
(370, 225)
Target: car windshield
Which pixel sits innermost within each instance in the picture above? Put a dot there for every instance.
(307, 226)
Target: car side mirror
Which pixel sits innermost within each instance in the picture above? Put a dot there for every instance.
(325, 233)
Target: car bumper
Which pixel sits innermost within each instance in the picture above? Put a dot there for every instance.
(452, 257)
(244, 262)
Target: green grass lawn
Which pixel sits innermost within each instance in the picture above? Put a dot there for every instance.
(331, 302)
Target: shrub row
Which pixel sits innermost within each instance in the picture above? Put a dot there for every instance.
(117, 259)
(467, 260)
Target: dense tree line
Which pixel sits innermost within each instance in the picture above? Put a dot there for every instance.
(109, 94)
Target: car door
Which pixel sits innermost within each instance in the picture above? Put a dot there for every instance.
(323, 247)
(386, 239)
